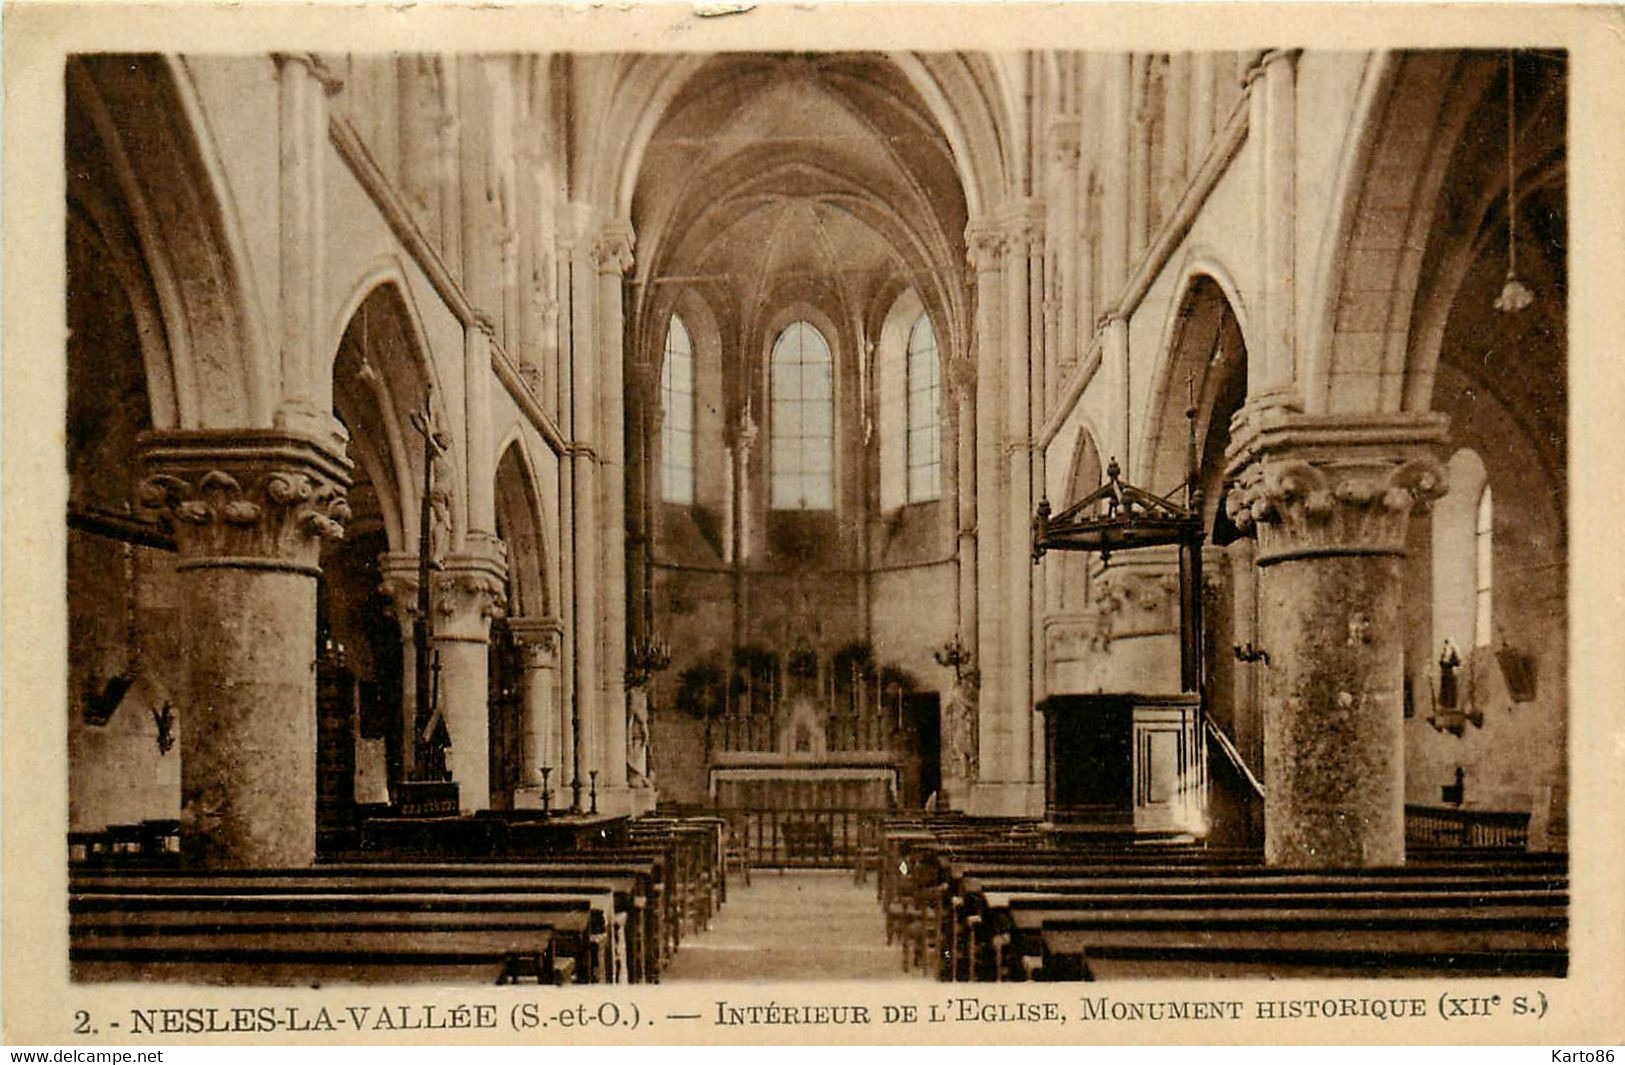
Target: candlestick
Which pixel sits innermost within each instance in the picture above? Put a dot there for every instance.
(547, 793)
(592, 776)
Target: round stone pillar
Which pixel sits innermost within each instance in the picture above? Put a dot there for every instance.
(1329, 500)
(541, 730)
(248, 509)
(468, 594)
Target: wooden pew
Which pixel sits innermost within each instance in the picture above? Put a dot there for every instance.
(1437, 936)
(354, 937)
(618, 901)
(1150, 870)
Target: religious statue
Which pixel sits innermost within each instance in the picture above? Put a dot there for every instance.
(1449, 662)
(638, 772)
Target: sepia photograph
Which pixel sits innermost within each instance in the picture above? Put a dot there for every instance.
(545, 519)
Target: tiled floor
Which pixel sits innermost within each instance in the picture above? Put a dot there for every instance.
(798, 925)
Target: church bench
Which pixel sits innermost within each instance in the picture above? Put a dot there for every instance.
(1039, 950)
(1075, 954)
(969, 885)
(696, 849)
(595, 949)
(363, 955)
(987, 911)
(653, 867)
(667, 845)
(618, 901)
(564, 932)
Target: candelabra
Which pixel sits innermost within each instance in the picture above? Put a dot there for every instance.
(955, 655)
(646, 656)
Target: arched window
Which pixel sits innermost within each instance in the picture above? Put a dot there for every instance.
(1483, 555)
(924, 414)
(803, 420)
(677, 416)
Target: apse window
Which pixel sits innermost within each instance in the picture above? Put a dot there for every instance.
(803, 420)
(924, 414)
(677, 416)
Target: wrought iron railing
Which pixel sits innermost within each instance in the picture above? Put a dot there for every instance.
(804, 838)
(1449, 826)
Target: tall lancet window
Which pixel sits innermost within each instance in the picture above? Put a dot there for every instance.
(677, 416)
(1483, 555)
(803, 420)
(924, 414)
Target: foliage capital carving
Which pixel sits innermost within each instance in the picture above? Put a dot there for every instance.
(251, 499)
(1309, 486)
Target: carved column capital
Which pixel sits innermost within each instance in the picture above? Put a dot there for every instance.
(984, 245)
(400, 585)
(470, 590)
(612, 248)
(1314, 485)
(247, 499)
(541, 638)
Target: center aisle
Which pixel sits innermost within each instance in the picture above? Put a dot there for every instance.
(797, 925)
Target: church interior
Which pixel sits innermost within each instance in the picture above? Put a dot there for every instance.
(638, 517)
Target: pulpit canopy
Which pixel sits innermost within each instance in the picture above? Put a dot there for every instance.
(1117, 516)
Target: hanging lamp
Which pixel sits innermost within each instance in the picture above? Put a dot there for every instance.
(1515, 295)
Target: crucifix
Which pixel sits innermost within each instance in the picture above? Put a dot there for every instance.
(430, 738)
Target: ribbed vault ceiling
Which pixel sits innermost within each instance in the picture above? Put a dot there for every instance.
(816, 178)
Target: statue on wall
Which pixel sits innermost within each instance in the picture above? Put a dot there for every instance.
(1449, 662)
(639, 774)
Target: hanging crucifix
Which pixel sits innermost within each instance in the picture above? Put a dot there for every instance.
(430, 735)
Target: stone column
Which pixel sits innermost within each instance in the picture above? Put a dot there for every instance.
(248, 509)
(304, 85)
(1273, 125)
(613, 252)
(468, 593)
(1064, 136)
(1328, 499)
(400, 584)
(586, 532)
(1141, 180)
(1114, 359)
(480, 464)
(959, 727)
(1175, 131)
(1026, 253)
(1201, 106)
(985, 248)
(542, 730)
(1117, 108)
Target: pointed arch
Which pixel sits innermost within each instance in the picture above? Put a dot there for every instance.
(1204, 345)
(381, 374)
(801, 418)
(523, 527)
(133, 125)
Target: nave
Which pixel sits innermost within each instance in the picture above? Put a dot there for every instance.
(676, 899)
(654, 466)
(794, 925)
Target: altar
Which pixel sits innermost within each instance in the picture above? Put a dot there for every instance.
(764, 782)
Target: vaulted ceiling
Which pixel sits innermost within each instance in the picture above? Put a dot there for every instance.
(777, 179)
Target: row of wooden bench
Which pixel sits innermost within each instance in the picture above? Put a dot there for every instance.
(993, 902)
(614, 914)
